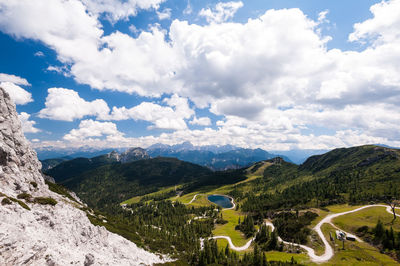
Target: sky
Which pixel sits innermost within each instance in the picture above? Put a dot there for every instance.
(271, 74)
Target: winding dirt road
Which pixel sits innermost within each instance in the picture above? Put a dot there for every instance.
(328, 254)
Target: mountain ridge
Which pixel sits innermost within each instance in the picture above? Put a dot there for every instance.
(355, 175)
(117, 182)
(226, 158)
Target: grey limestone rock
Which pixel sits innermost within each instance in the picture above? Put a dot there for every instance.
(45, 234)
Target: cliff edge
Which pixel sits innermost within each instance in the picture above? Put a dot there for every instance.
(40, 227)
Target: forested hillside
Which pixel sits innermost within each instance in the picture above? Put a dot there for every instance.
(101, 181)
(348, 175)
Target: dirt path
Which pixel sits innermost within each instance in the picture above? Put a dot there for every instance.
(194, 198)
(231, 245)
(328, 254)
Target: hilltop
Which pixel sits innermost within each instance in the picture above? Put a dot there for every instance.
(355, 175)
(63, 169)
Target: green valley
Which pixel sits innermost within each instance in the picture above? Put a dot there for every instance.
(161, 204)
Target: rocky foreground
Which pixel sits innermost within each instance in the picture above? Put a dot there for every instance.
(40, 227)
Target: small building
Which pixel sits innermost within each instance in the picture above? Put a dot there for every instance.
(340, 235)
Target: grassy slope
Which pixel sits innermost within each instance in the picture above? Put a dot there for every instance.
(379, 166)
(115, 183)
(376, 170)
(224, 189)
(282, 256)
(228, 229)
(355, 253)
(201, 200)
(231, 216)
(369, 217)
(273, 255)
(137, 198)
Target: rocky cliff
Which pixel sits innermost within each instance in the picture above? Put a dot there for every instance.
(40, 227)
(133, 154)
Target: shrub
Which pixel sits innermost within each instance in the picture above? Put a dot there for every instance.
(45, 201)
(56, 188)
(221, 221)
(6, 201)
(34, 184)
(24, 196)
(21, 203)
(362, 229)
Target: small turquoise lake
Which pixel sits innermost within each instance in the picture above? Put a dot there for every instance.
(223, 201)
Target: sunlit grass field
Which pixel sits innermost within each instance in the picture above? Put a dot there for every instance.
(228, 229)
(355, 253)
(369, 217)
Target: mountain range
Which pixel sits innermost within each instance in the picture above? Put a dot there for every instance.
(214, 157)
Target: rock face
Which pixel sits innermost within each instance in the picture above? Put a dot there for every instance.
(59, 234)
(18, 163)
(133, 154)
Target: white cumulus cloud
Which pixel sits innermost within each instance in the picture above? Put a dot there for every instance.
(17, 94)
(120, 9)
(67, 105)
(90, 129)
(222, 11)
(164, 14)
(271, 78)
(201, 121)
(28, 126)
(13, 79)
(384, 26)
(162, 117)
(11, 84)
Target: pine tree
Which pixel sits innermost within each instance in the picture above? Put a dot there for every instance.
(264, 259)
(257, 260)
(379, 231)
(227, 250)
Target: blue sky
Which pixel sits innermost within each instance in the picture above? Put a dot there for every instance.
(271, 74)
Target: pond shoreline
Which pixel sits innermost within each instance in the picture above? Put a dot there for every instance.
(232, 201)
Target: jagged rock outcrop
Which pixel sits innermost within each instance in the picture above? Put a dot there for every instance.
(114, 156)
(133, 154)
(47, 234)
